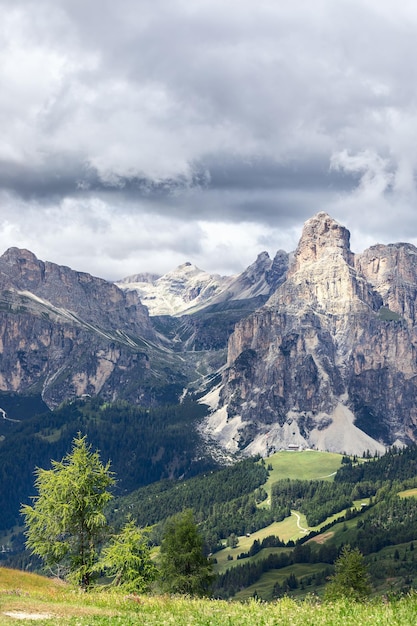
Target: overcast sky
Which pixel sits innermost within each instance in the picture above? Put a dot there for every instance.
(140, 134)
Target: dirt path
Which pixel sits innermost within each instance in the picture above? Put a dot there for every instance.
(23, 615)
(303, 530)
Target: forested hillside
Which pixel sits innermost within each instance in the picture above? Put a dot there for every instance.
(360, 506)
(144, 445)
(224, 501)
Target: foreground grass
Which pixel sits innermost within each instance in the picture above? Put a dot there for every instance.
(30, 599)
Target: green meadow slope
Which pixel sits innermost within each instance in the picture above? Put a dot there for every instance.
(30, 599)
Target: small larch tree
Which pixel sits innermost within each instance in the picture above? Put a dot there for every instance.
(127, 559)
(184, 567)
(351, 578)
(66, 524)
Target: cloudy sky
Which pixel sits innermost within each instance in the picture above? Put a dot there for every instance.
(139, 134)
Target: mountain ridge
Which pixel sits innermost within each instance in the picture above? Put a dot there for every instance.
(188, 289)
(317, 348)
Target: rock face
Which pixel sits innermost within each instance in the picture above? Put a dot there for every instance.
(392, 271)
(96, 300)
(65, 333)
(330, 360)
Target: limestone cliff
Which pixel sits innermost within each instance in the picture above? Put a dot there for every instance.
(330, 360)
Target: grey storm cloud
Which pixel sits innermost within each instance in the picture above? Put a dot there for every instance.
(138, 134)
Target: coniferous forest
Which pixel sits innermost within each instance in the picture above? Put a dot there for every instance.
(144, 445)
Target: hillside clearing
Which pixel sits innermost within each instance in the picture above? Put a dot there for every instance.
(408, 493)
(301, 465)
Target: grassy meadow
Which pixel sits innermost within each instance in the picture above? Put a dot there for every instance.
(304, 465)
(31, 599)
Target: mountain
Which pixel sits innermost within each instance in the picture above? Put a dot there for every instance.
(329, 361)
(187, 289)
(64, 334)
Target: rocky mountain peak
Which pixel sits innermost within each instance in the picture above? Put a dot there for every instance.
(322, 276)
(330, 360)
(322, 237)
(15, 254)
(94, 299)
(257, 270)
(176, 291)
(21, 267)
(263, 257)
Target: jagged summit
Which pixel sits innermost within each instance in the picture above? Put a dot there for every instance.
(12, 254)
(322, 276)
(322, 237)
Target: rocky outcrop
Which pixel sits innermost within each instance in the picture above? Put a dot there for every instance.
(259, 280)
(392, 271)
(330, 360)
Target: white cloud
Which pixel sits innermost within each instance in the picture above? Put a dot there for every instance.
(375, 172)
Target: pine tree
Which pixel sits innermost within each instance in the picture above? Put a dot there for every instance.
(127, 559)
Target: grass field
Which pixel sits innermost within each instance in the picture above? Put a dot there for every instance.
(409, 493)
(30, 599)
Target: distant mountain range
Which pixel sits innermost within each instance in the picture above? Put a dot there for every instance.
(311, 349)
(187, 289)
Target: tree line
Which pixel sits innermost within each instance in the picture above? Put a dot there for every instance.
(396, 464)
(316, 499)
